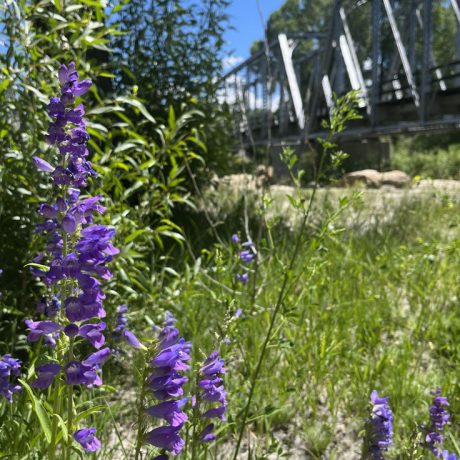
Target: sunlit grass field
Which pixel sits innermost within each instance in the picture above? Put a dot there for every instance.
(372, 303)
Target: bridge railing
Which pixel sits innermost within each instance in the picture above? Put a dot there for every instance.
(287, 88)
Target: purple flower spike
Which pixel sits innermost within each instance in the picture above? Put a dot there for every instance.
(212, 391)
(77, 250)
(9, 369)
(379, 427)
(439, 417)
(87, 439)
(166, 383)
(166, 437)
(46, 375)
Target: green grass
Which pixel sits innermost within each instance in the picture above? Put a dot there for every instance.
(372, 304)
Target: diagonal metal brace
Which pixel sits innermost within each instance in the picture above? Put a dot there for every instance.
(401, 51)
(286, 52)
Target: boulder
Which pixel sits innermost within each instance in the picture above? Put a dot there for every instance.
(375, 179)
(398, 179)
(368, 177)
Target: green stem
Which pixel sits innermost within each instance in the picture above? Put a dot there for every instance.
(70, 408)
(276, 310)
(56, 410)
(140, 415)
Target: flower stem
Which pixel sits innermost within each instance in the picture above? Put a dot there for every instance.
(140, 415)
(69, 408)
(276, 309)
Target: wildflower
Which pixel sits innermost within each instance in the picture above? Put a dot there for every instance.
(379, 427)
(9, 367)
(122, 322)
(166, 383)
(168, 438)
(235, 238)
(212, 391)
(246, 255)
(243, 278)
(46, 375)
(40, 328)
(445, 455)
(87, 439)
(439, 418)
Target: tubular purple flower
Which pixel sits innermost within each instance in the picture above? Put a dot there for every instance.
(87, 439)
(379, 428)
(165, 382)
(40, 328)
(92, 333)
(207, 435)
(170, 411)
(9, 369)
(43, 165)
(439, 417)
(131, 339)
(212, 391)
(445, 455)
(168, 438)
(46, 375)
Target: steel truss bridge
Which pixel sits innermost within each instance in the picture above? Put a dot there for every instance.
(282, 93)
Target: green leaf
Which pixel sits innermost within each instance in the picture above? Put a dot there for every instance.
(40, 412)
(134, 235)
(90, 411)
(4, 84)
(138, 105)
(57, 4)
(61, 423)
(44, 268)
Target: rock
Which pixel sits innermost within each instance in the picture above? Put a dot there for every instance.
(375, 179)
(398, 179)
(368, 177)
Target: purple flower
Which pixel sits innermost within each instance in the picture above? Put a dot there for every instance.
(39, 328)
(80, 374)
(9, 368)
(165, 382)
(242, 278)
(212, 391)
(43, 165)
(379, 427)
(77, 250)
(122, 321)
(167, 437)
(207, 435)
(92, 333)
(46, 375)
(87, 439)
(170, 411)
(445, 455)
(439, 417)
(235, 238)
(131, 339)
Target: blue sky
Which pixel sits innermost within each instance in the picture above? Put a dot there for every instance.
(245, 19)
